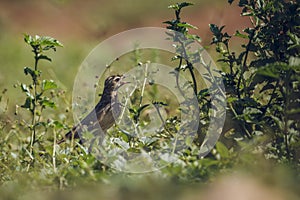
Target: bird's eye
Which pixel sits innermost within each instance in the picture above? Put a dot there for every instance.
(117, 79)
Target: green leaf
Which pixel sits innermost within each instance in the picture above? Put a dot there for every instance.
(173, 22)
(174, 6)
(138, 112)
(207, 162)
(294, 111)
(33, 73)
(27, 38)
(294, 61)
(44, 57)
(26, 90)
(48, 85)
(222, 150)
(178, 6)
(185, 4)
(58, 124)
(232, 99)
(48, 103)
(214, 29)
(50, 42)
(243, 3)
(194, 37)
(240, 35)
(142, 108)
(204, 93)
(24, 87)
(43, 43)
(268, 86)
(27, 104)
(40, 124)
(294, 38)
(186, 25)
(267, 72)
(131, 110)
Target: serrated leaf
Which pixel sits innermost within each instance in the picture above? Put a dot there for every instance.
(48, 85)
(42, 43)
(186, 25)
(48, 103)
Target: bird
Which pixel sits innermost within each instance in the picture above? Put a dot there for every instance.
(104, 112)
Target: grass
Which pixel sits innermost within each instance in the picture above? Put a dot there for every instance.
(79, 176)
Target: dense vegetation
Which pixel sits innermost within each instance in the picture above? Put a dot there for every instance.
(261, 132)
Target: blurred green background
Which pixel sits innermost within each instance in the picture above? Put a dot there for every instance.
(81, 25)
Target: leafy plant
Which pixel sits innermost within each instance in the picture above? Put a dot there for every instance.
(182, 40)
(36, 98)
(262, 81)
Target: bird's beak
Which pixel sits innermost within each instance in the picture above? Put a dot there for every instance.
(122, 82)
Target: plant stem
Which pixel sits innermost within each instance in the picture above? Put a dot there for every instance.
(190, 66)
(144, 84)
(271, 98)
(193, 77)
(177, 70)
(34, 104)
(286, 107)
(156, 106)
(54, 151)
(286, 139)
(236, 116)
(244, 68)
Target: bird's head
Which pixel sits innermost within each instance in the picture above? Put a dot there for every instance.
(113, 82)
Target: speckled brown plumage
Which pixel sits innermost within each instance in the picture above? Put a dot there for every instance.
(104, 112)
